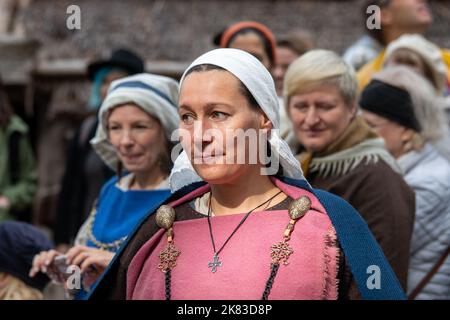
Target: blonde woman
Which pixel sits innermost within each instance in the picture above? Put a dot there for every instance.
(135, 124)
(12, 288)
(341, 154)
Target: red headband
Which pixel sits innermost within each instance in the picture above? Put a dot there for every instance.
(235, 28)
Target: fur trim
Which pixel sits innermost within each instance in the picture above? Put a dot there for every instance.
(331, 266)
(340, 163)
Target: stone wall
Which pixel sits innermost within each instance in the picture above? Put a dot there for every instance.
(166, 33)
(180, 30)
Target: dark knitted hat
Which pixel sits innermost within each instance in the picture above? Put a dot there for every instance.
(121, 58)
(389, 102)
(19, 243)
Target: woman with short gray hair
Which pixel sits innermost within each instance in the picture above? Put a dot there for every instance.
(341, 154)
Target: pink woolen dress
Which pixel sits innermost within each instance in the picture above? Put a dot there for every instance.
(310, 274)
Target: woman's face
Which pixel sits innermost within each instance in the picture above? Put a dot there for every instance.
(252, 43)
(110, 77)
(137, 137)
(212, 109)
(285, 56)
(410, 59)
(409, 13)
(319, 117)
(393, 134)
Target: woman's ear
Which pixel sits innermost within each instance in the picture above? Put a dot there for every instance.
(406, 135)
(353, 110)
(385, 17)
(265, 122)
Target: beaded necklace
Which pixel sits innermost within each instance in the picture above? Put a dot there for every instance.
(110, 246)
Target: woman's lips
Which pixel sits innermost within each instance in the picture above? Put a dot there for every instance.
(313, 133)
(208, 158)
(131, 157)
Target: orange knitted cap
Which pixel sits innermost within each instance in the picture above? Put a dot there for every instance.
(235, 28)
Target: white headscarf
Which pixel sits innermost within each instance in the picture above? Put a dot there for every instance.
(156, 95)
(252, 73)
(428, 51)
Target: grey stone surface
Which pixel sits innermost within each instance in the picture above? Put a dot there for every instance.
(174, 31)
(180, 30)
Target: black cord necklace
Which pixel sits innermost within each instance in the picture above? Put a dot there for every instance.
(216, 262)
(279, 252)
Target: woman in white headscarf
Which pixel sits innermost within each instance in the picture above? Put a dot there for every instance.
(243, 222)
(136, 121)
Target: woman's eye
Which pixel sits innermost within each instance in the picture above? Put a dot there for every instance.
(187, 118)
(114, 128)
(325, 106)
(142, 126)
(219, 115)
(301, 106)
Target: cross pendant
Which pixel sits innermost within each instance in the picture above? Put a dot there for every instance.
(214, 264)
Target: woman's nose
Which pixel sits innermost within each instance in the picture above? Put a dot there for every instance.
(126, 139)
(311, 117)
(201, 131)
(278, 73)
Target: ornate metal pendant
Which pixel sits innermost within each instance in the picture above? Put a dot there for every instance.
(168, 257)
(280, 252)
